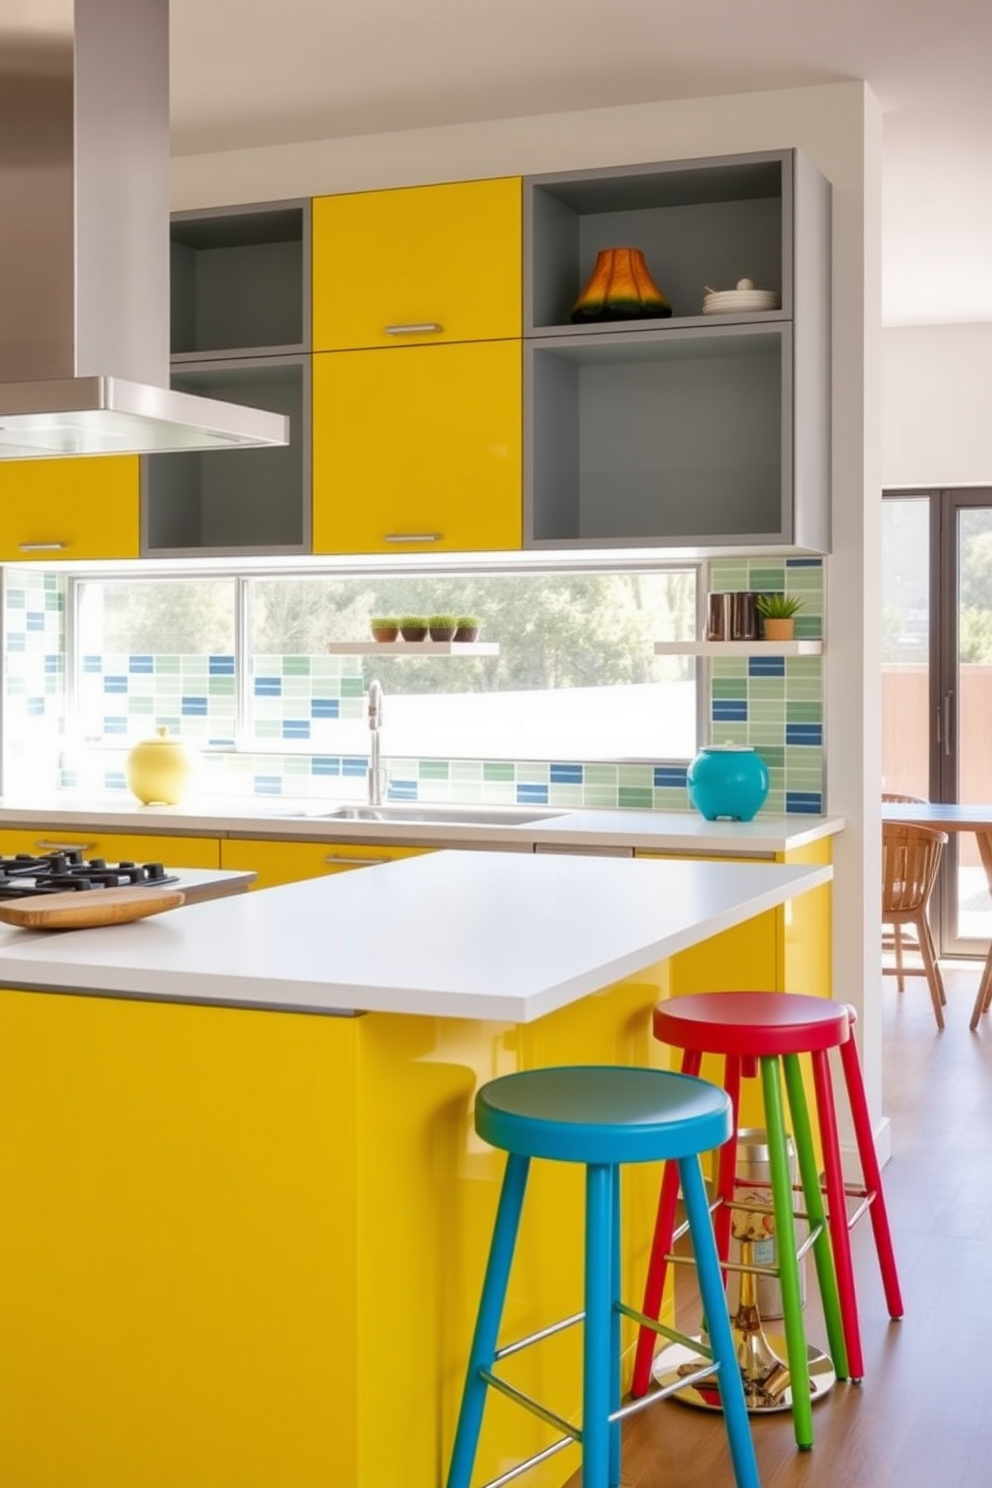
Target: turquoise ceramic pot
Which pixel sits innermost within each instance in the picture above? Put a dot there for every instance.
(727, 780)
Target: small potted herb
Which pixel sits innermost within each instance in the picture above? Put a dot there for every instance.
(466, 627)
(413, 627)
(384, 627)
(442, 627)
(778, 613)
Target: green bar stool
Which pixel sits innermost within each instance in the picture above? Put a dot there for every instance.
(602, 1117)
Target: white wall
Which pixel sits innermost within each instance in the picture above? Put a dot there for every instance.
(838, 127)
(937, 405)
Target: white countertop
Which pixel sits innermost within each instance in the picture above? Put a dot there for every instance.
(475, 934)
(648, 831)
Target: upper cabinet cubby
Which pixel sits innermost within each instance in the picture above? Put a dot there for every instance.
(694, 430)
(240, 281)
(701, 224)
(201, 503)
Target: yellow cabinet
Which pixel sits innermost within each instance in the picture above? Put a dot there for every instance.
(418, 264)
(418, 450)
(58, 509)
(116, 847)
(288, 862)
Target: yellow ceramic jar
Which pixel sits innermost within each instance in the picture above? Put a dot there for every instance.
(158, 770)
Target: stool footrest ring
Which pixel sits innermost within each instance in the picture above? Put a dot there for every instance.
(663, 1330)
(538, 1337)
(535, 1407)
(522, 1467)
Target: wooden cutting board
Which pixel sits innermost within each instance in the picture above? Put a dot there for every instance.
(81, 909)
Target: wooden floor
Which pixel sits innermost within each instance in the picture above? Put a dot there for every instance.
(923, 1416)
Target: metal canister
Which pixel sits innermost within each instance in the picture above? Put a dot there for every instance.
(744, 616)
(753, 1164)
(719, 616)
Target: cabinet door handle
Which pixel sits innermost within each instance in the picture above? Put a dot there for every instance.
(45, 547)
(47, 846)
(411, 537)
(356, 862)
(415, 328)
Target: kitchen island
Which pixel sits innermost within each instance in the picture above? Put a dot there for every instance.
(245, 1211)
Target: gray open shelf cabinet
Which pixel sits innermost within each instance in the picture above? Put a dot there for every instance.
(698, 431)
(240, 281)
(251, 501)
(240, 328)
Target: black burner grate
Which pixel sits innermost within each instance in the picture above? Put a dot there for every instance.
(67, 871)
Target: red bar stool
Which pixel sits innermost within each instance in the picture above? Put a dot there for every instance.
(754, 1031)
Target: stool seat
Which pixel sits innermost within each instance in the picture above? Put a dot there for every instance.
(602, 1114)
(752, 1024)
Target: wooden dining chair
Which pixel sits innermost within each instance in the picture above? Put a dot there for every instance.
(910, 859)
(983, 998)
(893, 938)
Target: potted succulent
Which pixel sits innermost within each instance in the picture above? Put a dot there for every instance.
(442, 627)
(384, 627)
(466, 627)
(778, 613)
(413, 627)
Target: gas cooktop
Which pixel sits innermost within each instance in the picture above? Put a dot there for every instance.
(66, 870)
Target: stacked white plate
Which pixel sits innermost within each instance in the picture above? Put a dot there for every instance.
(724, 301)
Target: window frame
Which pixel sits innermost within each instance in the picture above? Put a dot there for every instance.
(243, 577)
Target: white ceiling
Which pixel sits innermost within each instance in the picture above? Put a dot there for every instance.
(253, 72)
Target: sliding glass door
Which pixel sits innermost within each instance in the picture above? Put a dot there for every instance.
(937, 680)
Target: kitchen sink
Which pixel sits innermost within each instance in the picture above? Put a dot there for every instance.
(460, 816)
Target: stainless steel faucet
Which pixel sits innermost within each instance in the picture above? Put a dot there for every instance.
(375, 725)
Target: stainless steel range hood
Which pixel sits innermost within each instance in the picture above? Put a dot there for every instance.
(84, 247)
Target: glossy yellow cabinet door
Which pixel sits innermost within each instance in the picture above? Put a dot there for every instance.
(289, 862)
(116, 847)
(419, 264)
(81, 508)
(418, 450)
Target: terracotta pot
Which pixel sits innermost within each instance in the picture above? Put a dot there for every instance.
(778, 628)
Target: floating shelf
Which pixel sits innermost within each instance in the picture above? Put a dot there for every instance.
(413, 648)
(738, 648)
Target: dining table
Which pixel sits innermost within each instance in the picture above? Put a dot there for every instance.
(955, 816)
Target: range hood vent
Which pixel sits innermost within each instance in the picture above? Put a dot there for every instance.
(84, 247)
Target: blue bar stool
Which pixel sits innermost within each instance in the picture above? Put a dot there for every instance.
(601, 1116)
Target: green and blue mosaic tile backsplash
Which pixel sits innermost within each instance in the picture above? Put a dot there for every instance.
(773, 703)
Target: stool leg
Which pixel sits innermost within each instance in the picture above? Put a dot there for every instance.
(872, 1175)
(615, 1392)
(840, 1234)
(487, 1323)
(718, 1324)
(842, 1325)
(727, 1162)
(788, 1266)
(661, 1244)
(597, 1366)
